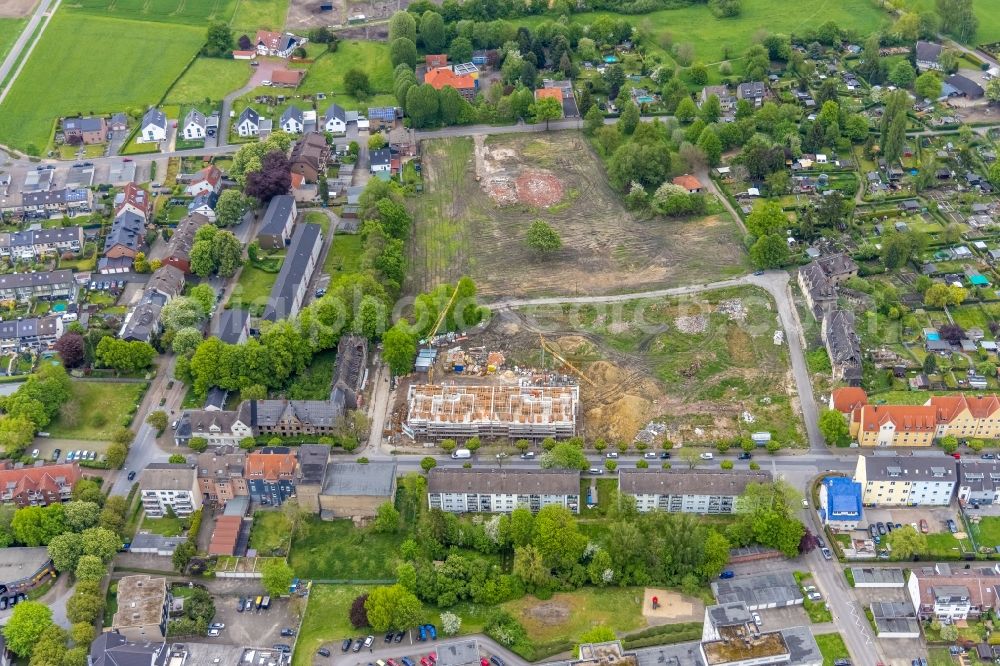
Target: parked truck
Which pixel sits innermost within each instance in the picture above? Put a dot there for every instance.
(461, 453)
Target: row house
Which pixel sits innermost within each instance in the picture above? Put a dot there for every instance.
(979, 482)
(270, 475)
(461, 490)
(951, 594)
(687, 490)
(906, 480)
(169, 485)
(142, 323)
(291, 418)
(218, 427)
(967, 416)
(40, 485)
(49, 285)
(65, 201)
(292, 283)
(221, 474)
(32, 334)
(33, 244)
(180, 244)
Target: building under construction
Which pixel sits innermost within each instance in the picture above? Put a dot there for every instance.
(517, 412)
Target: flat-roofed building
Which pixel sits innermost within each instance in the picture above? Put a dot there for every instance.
(461, 490)
(220, 474)
(173, 485)
(528, 412)
(356, 490)
(687, 490)
(884, 577)
(142, 608)
(895, 619)
(23, 569)
(766, 590)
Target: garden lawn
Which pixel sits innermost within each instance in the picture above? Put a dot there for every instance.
(344, 255)
(327, 73)
(168, 527)
(87, 64)
(95, 409)
(943, 545)
(620, 609)
(316, 217)
(326, 619)
(935, 657)
(269, 534)
(209, 78)
(254, 14)
(833, 648)
(253, 289)
(987, 531)
(336, 550)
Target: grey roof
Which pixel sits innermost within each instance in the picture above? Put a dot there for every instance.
(231, 325)
(680, 654)
(292, 112)
(128, 229)
(202, 420)
(20, 563)
(180, 244)
(459, 653)
(195, 116)
(892, 609)
(111, 649)
(278, 212)
(321, 413)
(55, 197)
(725, 615)
(371, 480)
(759, 590)
(965, 85)
(216, 397)
(32, 237)
(336, 111)
(143, 322)
(249, 114)
(834, 265)
(751, 90)
(167, 280)
(18, 280)
(843, 343)
(802, 646)
(979, 475)
(305, 238)
(168, 476)
(19, 329)
(503, 482)
(889, 576)
(86, 124)
(928, 51)
(145, 540)
(312, 463)
(895, 617)
(154, 117)
(688, 481)
(380, 157)
(910, 468)
(223, 463)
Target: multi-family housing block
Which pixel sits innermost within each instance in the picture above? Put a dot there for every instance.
(461, 490)
(687, 490)
(951, 594)
(39, 485)
(47, 285)
(906, 480)
(173, 485)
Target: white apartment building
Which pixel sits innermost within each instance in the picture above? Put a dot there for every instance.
(460, 490)
(687, 490)
(898, 480)
(170, 485)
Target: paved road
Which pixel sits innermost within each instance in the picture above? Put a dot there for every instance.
(22, 42)
(410, 647)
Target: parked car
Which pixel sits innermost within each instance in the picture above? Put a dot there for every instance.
(889, 527)
(496, 661)
(424, 661)
(282, 647)
(988, 456)
(323, 652)
(239, 605)
(952, 527)
(433, 657)
(399, 636)
(287, 632)
(611, 455)
(56, 454)
(422, 633)
(756, 618)
(815, 596)
(368, 639)
(35, 454)
(827, 555)
(956, 456)
(744, 456)
(924, 527)
(808, 588)
(131, 475)
(649, 455)
(217, 625)
(706, 456)
(432, 630)
(389, 635)
(528, 455)
(346, 645)
(665, 455)
(407, 661)
(842, 662)
(596, 471)
(213, 632)
(881, 529)
(357, 645)
(726, 574)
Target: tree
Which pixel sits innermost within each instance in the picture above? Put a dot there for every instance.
(101, 543)
(231, 207)
(37, 526)
(529, 567)
(428, 463)
(547, 109)
(399, 348)
(402, 24)
(629, 119)
(422, 105)
(940, 295)
(769, 251)
(958, 19)
(928, 85)
(460, 50)
(453, 107)
(124, 356)
(358, 615)
(432, 31)
(16, 432)
(686, 110)
(593, 120)
(392, 607)
(81, 515)
(219, 40)
(90, 567)
(273, 178)
(834, 427)
(356, 83)
(71, 348)
(993, 91)
(542, 238)
(557, 537)
(116, 455)
(276, 577)
(711, 146)
(177, 459)
(158, 420)
(902, 74)
(65, 551)
(25, 626)
(182, 556)
(186, 341)
(767, 218)
(949, 632)
(450, 623)
(386, 518)
(403, 51)
(564, 456)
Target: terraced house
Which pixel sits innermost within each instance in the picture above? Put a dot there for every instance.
(35, 243)
(38, 486)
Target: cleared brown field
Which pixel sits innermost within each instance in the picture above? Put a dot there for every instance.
(477, 206)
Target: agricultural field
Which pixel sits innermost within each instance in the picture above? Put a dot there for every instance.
(259, 14)
(72, 49)
(9, 31)
(209, 78)
(480, 199)
(96, 409)
(700, 365)
(189, 12)
(326, 74)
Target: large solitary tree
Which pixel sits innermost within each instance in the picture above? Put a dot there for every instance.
(273, 178)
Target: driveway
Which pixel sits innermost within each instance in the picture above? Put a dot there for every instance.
(410, 647)
(262, 72)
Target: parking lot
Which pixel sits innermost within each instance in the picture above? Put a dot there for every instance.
(903, 649)
(408, 647)
(773, 619)
(255, 628)
(936, 517)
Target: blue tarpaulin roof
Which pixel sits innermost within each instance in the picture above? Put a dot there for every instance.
(844, 497)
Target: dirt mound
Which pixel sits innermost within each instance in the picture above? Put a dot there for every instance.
(502, 190)
(620, 419)
(538, 188)
(549, 612)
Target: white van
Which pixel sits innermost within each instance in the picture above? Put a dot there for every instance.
(461, 453)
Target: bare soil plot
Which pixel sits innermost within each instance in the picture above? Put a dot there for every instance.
(671, 606)
(17, 8)
(481, 196)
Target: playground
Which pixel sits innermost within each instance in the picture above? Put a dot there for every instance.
(667, 607)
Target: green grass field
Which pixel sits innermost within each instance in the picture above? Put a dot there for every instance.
(9, 31)
(337, 550)
(190, 12)
(344, 255)
(269, 534)
(89, 64)
(579, 611)
(326, 619)
(833, 648)
(986, 12)
(987, 531)
(253, 289)
(254, 14)
(95, 409)
(327, 73)
(209, 78)
(168, 527)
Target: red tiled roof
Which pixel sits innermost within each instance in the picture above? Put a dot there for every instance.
(225, 535)
(847, 398)
(237, 54)
(554, 93)
(270, 466)
(287, 76)
(210, 175)
(269, 39)
(906, 418)
(950, 406)
(136, 196)
(297, 180)
(436, 60)
(688, 182)
(983, 406)
(440, 77)
(40, 479)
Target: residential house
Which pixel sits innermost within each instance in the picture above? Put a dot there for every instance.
(287, 78)
(906, 480)
(143, 602)
(979, 482)
(173, 485)
(118, 122)
(435, 60)
(110, 648)
(838, 267)
(309, 156)
(206, 181)
(380, 160)
(32, 334)
(465, 84)
(166, 283)
(726, 98)
(336, 120)
(957, 85)
(753, 91)
(313, 460)
(952, 594)
(87, 130)
(220, 474)
(895, 425)
(461, 490)
(153, 127)
(290, 287)
(278, 44)
(967, 416)
(356, 490)
(840, 503)
(38, 485)
(55, 203)
(179, 247)
(293, 418)
(276, 231)
(248, 123)
(843, 345)
(194, 126)
(204, 204)
(270, 474)
(928, 56)
(32, 244)
(690, 183)
(233, 326)
(218, 427)
(291, 120)
(379, 118)
(819, 292)
(46, 286)
(142, 323)
(132, 199)
(687, 490)
(551, 93)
